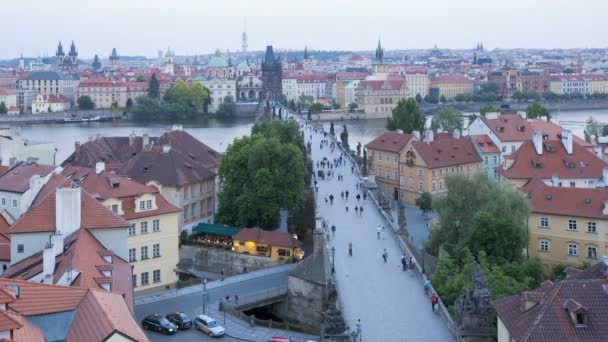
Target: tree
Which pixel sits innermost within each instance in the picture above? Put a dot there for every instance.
(183, 101)
(605, 130)
(154, 87)
(406, 116)
(488, 109)
(488, 88)
(418, 98)
(3, 109)
(593, 129)
(227, 108)
(261, 175)
(140, 78)
(472, 118)
(335, 105)
(424, 202)
(148, 109)
(352, 107)
(468, 212)
(448, 119)
(305, 100)
(85, 103)
(316, 108)
(536, 111)
(443, 99)
(129, 103)
(331, 128)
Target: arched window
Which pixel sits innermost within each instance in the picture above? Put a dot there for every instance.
(382, 100)
(419, 185)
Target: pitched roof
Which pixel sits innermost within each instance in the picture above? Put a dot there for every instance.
(446, 151)
(162, 207)
(106, 184)
(509, 127)
(41, 216)
(5, 240)
(485, 144)
(10, 321)
(44, 75)
(380, 84)
(116, 150)
(169, 168)
(192, 147)
(552, 131)
(578, 202)
(582, 163)
(446, 79)
(39, 298)
(17, 179)
(549, 320)
(390, 142)
(271, 238)
(28, 332)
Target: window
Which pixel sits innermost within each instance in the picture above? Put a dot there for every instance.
(495, 160)
(572, 249)
(544, 222)
(156, 276)
(144, 253)
(379, 156)
(504, 148)
(485, 160)
(185, 192)
(441, 172)
(185, 213)
(20, 248)
(571, 224)
(134, 280)
(433, 173)
(388, 157)
(420, 172)
(193, 209)
(144, 279)
(149, 204)
(202, 187)
(544, 246)
(440, 185)
(512, 149)
(132, 255)
(144, 227)
(192, 191)
(156, 250)
(156, 225)
(419, 185)
(433, 186)
(115, 208)
(388, 174)
(14, 203)
(592, 252)
(284, 252)
(396, 175)
(142, 205)
(379, 172)
(572, 184)
(396, 159)
(3, 201)
(591, 227)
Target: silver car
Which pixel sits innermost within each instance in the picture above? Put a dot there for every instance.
(209, 326)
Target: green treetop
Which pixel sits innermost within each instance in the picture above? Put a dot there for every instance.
(407, 116)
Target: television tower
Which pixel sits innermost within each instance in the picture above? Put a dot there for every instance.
(244, 38)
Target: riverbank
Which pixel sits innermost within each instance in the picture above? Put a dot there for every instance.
(60, 117)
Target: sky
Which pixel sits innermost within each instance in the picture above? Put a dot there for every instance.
(142, 27)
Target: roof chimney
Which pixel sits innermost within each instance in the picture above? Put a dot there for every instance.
(57, 242)
(416, 134)
(166, 148)
(537, 140)
(456, 134)
(428, 136)
(99, 167)
(400, 131)
(67, 210)
(567, 140)
(132, 137)
(77, 146)
(554, 179)
(48, 264)
(523, 114)
(176, 127)
(145, 140)
(492, 115)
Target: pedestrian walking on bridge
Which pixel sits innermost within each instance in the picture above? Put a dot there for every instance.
(385, 256)
(361, 211)
(356, 210)
(331, 199)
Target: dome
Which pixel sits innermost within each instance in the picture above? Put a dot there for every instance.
(217, 62)
(243, 66)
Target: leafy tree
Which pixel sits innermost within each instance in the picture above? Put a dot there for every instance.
(184, 101)
(488, 109)
(536, 110)
(424, 202)
(472, 117)
(352, 107)
(305, 100)
(3, 108)
(154, 87)
(443, 99)
(129, 103)
(85, 103)
(292, 105)
(287, 132)
(551, 96)
(605, 130)
(140, 78)
(331, 128)
(418, 98)
(261, 176)
(488, 88)
(406, 116)
(593, 129)
(227, 108)
(469, 212)
(316, 108)
(115, 104)
(148, 109)
(448, 119)
(335, 105)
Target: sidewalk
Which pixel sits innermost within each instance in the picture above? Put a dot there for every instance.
(172, 293)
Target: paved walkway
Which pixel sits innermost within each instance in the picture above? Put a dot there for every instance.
(390, 303)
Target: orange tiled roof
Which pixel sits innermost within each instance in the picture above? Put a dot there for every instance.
(106, 184)
(10, 321)
(38, 298)
(485, 144)
(163, 207)
(29, 333)
(447, 152)
(509, 127)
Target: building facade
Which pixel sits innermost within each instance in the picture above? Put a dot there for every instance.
(49, 83)
(104, 92)
(449, 86)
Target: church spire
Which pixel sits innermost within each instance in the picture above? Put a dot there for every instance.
(305, 52)
(60, 50)
(73, 52)
(379, 53)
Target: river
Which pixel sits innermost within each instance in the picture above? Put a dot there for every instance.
(220, 133)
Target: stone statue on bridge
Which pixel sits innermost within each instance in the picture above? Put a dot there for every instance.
(473, 312)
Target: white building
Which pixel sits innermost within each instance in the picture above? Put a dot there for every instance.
(308, 84)
(219, 88)
(50, 83)
(20, 185)
(350, 92)
(14, 147)
(417, 84)
(9, 97)
(50, 103)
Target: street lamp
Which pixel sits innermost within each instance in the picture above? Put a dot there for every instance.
(204, 295)
(333, 259)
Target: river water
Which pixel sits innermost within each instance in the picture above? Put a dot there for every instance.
(219, 134)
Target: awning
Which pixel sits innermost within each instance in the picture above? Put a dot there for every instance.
(217, 229)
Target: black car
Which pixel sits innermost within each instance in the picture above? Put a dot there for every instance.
(159, 323)
(180, 319)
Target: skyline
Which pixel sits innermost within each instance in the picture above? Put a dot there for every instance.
(194, 27)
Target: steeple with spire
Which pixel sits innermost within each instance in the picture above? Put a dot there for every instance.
(379, 53)
(305, 52)
(59, 50)
(96, 65)
(66, 63)
(73, 52)
(244, 38)
(114, 59)
(379, 69)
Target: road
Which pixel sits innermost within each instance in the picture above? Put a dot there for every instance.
(193, 303)
(390, 303)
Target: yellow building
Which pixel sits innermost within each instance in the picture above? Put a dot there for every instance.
(275, 245)
(566, 225)
(598, 84)
(452, 85)
(153, 241)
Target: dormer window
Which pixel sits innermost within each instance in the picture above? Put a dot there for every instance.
(578, 313)
(142, 205)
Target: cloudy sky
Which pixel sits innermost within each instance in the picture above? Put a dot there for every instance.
(141, 27)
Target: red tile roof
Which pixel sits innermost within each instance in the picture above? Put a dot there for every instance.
(194, 148)
(447, 152)
(10, 321)
(580, 202)
(390, 142)
(29, 333)
(485, 144)
(162, 207)
(52, 98)
(380, 84)
(106, 184)
(41, 216)
(5, 91)
(38, 298)
(509, 127)
(582, 163)
(271, 238)
(17, 179)
(5, 240)
(552, 131)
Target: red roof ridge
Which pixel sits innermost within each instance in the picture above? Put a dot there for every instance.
(554, 292)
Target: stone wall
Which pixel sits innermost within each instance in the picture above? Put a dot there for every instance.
(201, 260)
(304, 304)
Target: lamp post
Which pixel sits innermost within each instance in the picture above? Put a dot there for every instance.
(333, 259)
(204, 295)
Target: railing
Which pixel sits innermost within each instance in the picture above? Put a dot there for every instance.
(258, 297)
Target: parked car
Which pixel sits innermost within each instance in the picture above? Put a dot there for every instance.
(158, 323)
(180, 319)
(209, 326)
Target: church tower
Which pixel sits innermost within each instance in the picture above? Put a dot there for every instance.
(59, 55)
(272, 76)
(187, 68)
(73, 57)
(21, 63)
(379, 69)
(168, 68)
(96, 65)
(307, 62)
(114, 59)
(244, 38)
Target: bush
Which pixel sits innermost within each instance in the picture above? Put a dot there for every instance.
(183, 237)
